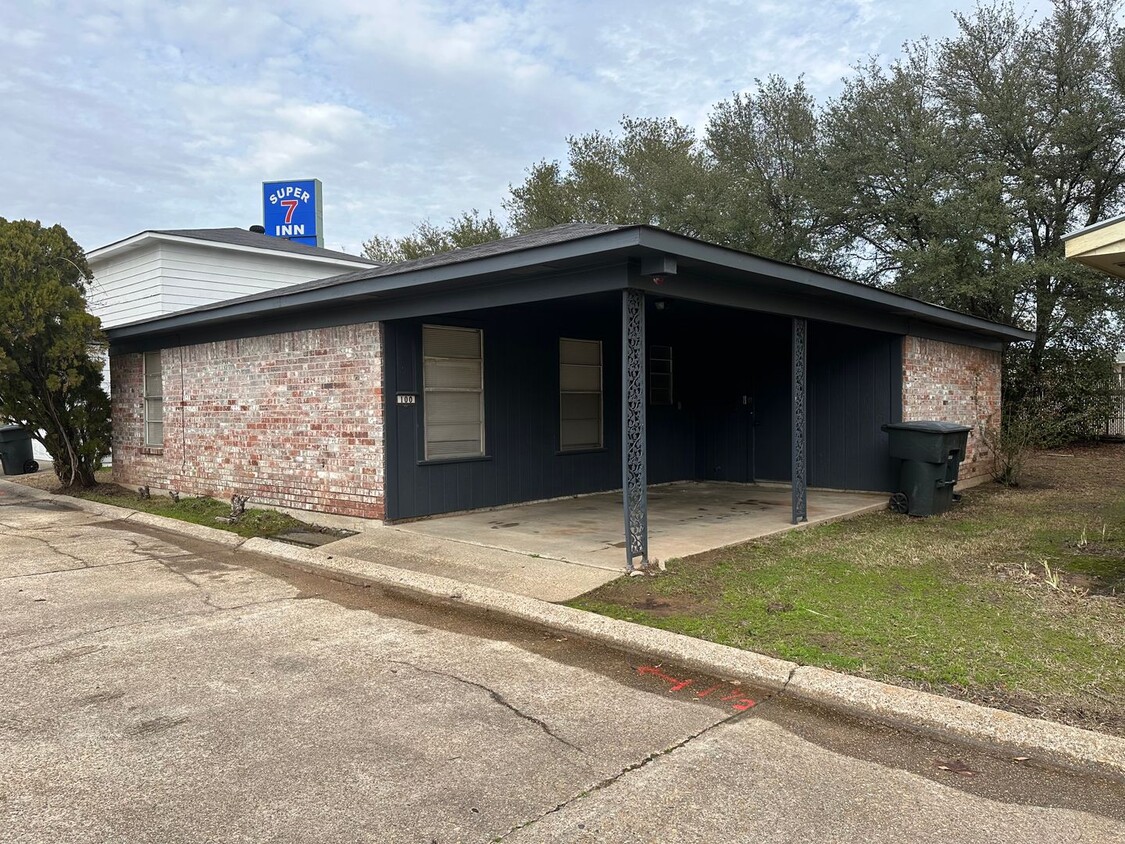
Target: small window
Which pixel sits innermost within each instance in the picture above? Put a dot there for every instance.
(453, 380)
(660, 375)
(154, 400)
(580, 394)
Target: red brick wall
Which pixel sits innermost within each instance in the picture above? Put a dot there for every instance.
(290, 420)
(953, 383)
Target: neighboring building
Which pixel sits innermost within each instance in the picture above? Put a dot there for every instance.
(578, 359)
(161, 272)
(1102, 247)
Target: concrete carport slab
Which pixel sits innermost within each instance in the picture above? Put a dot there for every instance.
(557, 550)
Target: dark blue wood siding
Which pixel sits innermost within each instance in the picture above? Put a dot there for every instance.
(729, 420)
(855, 387)
(521, 412)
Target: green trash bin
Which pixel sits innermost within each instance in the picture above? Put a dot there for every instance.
(16, 457)
(931, 453)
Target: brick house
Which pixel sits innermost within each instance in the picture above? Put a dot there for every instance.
(579, 359)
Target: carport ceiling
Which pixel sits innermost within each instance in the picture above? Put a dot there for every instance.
(1100, 246)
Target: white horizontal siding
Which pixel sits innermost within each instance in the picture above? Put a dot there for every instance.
(127, 288)
(198, 275)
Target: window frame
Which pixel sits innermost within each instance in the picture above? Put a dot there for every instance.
(427, 390)
(661, 392)
(564, 448)
(149, 399)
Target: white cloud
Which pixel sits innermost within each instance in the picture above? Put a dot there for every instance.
(122, 115)
(22, 38)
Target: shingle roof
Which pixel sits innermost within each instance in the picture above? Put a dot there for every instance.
(543, 237)
(564, 244)
(516, 243)
(244, 237)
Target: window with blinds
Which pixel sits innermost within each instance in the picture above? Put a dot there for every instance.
(453, 381)
(154, 400)
(580, 394)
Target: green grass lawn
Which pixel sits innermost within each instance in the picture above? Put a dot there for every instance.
(1016, 598)
(201, 511)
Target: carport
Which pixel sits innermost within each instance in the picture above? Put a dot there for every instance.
(703, 365)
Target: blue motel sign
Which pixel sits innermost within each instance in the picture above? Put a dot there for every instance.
(292, 210)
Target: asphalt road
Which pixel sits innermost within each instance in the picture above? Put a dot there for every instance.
(163, 689)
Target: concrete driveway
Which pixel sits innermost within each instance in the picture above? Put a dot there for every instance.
(157, 688)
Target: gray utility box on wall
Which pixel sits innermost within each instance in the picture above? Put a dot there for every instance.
(931, 454)
(16, 457)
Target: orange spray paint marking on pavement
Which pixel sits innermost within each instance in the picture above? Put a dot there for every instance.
(738, 702)
(656, 672)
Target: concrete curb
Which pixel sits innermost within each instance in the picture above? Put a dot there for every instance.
(659, 644)
(962, 722)
(210, 534)
(917, 711)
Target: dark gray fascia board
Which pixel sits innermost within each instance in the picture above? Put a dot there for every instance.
(824, 309)
(570, 250)
(721, 256)
(638, 240)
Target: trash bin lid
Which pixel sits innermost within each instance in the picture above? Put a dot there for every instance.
(11, 427)
(929, 426)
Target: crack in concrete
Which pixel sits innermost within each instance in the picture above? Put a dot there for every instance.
(67, 571)
(652, 757)
(143, 555)
(171, 616)
(163, 564)
(788, 680)
(206, 596)
(496, 697)
(75, 637)
(635, 766)
(49, 545)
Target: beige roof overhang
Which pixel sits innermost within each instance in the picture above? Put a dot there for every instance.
(1101, 246)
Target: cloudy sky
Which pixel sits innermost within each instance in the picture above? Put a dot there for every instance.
(121, 116)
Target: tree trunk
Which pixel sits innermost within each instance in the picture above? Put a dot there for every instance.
(1045, 301)
(82, 477)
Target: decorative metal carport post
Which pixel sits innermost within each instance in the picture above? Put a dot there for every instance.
(800, 469)
(634, 455)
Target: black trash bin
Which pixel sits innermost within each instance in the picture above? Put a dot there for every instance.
(16, 457)
(931, 454)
